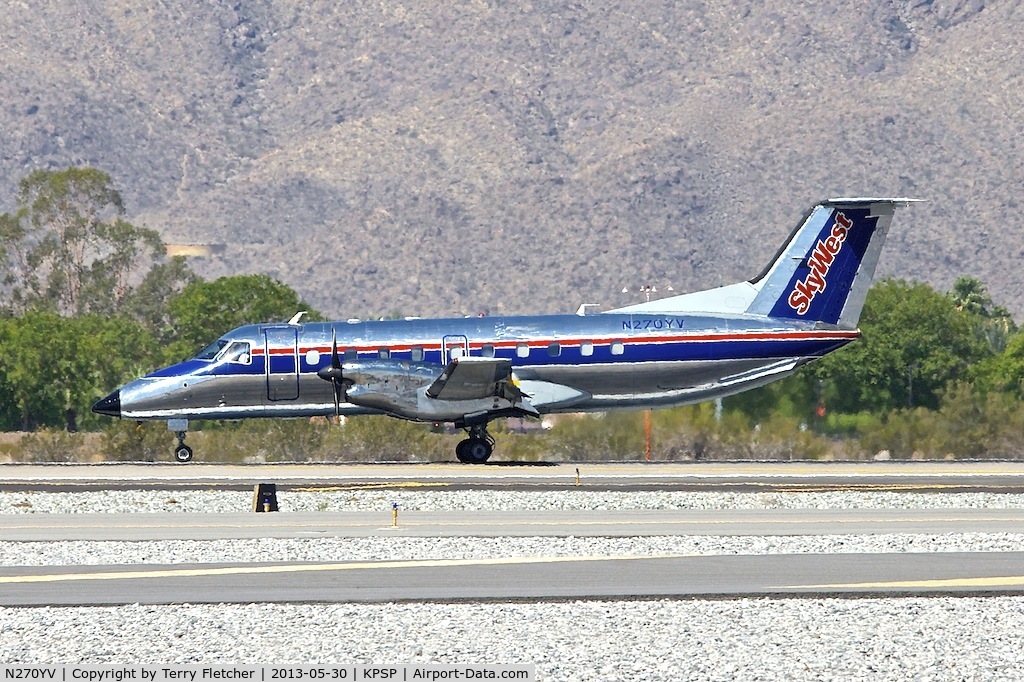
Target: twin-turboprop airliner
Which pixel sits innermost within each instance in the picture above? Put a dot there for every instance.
(471, 371)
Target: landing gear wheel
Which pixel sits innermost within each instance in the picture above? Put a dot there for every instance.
(183, 453)
(474, 450)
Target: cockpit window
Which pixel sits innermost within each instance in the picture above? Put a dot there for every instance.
(211, 351)
(237, 352)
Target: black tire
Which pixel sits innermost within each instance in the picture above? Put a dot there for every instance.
(183, 453)
(477, 450)
(462, 451)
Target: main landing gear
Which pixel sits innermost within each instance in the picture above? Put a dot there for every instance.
(478, 447)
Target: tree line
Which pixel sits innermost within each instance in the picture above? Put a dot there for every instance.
(90, 301)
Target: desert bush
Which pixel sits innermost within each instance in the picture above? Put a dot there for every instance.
(130, 441)
(595, 437)
(54, 445)
(378, 438)
(969, 423)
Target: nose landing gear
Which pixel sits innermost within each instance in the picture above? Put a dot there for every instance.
(182, 452)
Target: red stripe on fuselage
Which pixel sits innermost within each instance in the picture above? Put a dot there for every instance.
(543, 343)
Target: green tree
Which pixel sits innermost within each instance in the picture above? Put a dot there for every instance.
(914, 343)
(53, 367)
(992, 323)
(203, 311)
(795, 396)
(149, 301)
(970, 295)
(68, 249)
(1004, 372)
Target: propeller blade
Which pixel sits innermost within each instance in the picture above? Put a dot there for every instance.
(335, 360)
(334, 374)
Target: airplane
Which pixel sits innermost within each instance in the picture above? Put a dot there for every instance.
(470, 371)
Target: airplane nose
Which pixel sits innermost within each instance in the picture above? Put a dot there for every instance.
(110, 406)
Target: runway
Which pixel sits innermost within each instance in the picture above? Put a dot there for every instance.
(517, 577)
(550, 578)
(801, 475)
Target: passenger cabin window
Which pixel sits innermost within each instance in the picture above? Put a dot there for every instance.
(211, 351)
(554, 349)
(522, 350)
(238, 353)
(417, 353)
(383, 353)
(618, 348)
(487, 350)
(312, 357)
(350, 354)
(586, 348)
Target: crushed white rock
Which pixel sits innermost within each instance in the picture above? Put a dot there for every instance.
(381, 548)
(947, 638)
(743, 639)
(127, 501)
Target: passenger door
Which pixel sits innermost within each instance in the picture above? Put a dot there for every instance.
(281, 352)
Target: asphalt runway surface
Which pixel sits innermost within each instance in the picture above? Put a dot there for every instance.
(547, 578)
(550, 578)
(795, 476)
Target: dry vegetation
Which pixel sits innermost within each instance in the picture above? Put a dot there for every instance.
(450, 157)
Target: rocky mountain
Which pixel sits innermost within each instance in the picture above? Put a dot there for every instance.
(504, 157)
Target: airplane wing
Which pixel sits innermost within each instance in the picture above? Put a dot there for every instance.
(472, 377)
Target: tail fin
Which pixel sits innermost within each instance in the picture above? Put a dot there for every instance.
(821, 274)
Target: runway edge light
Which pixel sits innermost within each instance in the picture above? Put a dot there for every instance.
(264, 497)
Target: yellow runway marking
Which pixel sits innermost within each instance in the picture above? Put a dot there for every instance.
(1006, 581)
(354, 487)
(310, 568)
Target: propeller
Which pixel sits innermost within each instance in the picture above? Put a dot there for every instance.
(333, 374)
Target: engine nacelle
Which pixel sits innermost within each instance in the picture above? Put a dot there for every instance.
(393, 386)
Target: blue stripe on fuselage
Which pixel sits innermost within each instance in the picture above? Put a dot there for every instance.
(706, 342)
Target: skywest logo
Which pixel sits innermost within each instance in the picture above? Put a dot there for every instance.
(820, 261)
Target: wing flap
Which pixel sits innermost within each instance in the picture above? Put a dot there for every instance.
(471, 378)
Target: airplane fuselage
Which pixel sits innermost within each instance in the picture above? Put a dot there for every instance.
(566, 363)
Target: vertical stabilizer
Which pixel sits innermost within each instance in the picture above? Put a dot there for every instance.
(823, 273)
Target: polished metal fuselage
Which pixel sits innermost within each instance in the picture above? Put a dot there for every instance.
(568, 363)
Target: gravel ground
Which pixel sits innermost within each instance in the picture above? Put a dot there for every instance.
(485, 500)
(83, 553)
(955, 638)
(744, 639)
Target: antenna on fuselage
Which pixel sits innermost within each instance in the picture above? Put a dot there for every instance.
(296, 317)
(646, 290)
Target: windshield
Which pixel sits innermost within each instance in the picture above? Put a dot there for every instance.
(210, 352)
(237, 352)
